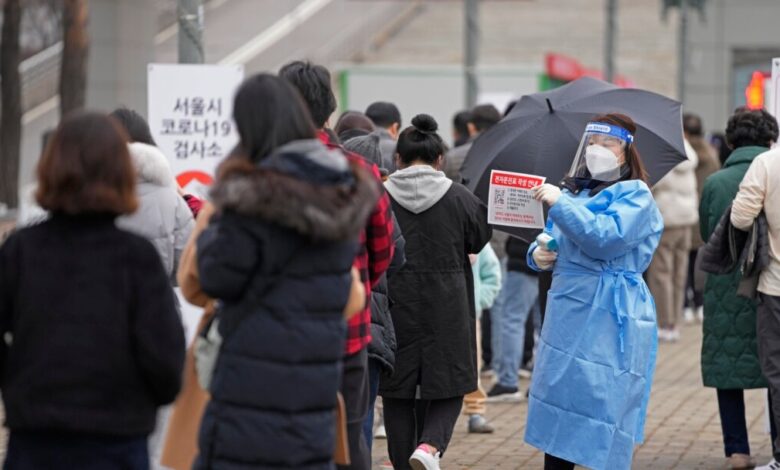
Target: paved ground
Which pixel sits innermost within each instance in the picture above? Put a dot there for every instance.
(683, 427)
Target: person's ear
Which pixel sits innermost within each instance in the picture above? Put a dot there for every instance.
(439, 162)
(397, 160)
(472, 129)
(394, 130)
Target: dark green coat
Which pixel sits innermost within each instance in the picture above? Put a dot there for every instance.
(729, 359)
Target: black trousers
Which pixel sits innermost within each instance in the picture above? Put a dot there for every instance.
(410, 422)
(552, 462)
(545, 282)
(487, 349)
(355, 389)
(731, 406)
(528, 344)
(37, 450)
(693, 298)
(768, 335)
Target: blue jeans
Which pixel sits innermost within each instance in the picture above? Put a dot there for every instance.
(374, 371)
(518, 298)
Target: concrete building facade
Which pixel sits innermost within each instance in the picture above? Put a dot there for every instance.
(735, 39)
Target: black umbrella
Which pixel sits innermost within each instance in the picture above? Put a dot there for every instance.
(541, 134)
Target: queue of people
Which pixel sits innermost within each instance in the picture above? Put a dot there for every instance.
(352, 286)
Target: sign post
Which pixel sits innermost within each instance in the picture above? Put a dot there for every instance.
(774, 88)
(190, 115)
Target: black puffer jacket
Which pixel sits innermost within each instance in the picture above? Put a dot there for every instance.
(383, 342)
(278, 257)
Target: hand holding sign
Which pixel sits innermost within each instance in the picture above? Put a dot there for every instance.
(547, 193)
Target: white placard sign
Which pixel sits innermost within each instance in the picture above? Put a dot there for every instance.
(191, 117)
(511, 202)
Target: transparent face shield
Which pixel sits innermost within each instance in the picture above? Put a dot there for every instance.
(602, 153)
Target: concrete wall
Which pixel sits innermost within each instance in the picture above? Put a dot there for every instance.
(435, 90)
(732, 34)
(122, 44)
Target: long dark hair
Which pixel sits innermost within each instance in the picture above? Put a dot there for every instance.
(135, 125)
(637, 169)
(269, 113)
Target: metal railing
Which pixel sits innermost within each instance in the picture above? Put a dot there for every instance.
(40, 75)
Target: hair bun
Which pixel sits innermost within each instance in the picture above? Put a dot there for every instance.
(425, 123)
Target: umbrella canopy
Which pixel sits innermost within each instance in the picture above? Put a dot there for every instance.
(541, 134)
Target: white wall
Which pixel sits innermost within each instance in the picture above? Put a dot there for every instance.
(437, 91)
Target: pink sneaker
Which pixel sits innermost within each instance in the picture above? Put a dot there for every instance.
(422, 459)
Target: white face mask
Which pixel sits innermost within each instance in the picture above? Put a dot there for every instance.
(602, 163)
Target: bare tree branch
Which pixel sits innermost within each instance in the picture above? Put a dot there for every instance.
(11, 102)
(73, 74)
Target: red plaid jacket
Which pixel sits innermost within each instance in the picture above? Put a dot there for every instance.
(374, 255)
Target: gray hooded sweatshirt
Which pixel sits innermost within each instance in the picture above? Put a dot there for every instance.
(418, 187)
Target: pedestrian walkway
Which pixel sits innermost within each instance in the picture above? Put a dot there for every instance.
(682, 432)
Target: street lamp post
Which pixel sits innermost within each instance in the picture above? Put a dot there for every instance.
(609, 41)
(471, 9)
(682, 50)
(190, 17)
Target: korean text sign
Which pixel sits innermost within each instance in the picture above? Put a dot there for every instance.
(511, 202)
(190, 114)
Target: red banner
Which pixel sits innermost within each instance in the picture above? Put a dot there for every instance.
(515, 181)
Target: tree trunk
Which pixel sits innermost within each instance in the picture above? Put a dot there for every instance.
(11, 99)
(73, 74)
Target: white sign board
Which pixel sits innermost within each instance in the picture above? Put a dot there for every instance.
(190, 114)
(511, 202)
(774, 88)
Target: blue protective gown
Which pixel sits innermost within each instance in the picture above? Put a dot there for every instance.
(596, 357)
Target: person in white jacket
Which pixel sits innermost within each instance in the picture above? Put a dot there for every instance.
(677, 199)
(760, 191)
(163, 216)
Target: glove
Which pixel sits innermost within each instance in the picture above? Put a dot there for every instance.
(545, 259)
(547, 193)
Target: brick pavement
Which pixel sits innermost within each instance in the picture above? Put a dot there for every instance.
(682, 432)
(683, 428)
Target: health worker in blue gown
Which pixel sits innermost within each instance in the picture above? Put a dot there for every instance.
(596, 357)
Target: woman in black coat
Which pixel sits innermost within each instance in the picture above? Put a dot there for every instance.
(433, 313)
(97, 345)
(277, 256)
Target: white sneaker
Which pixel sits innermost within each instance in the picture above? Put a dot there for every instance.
(664, 335)
(773, 465)
(700, 314)
(380, 432)
(688, 316)
(674, 335)
(421, 459)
